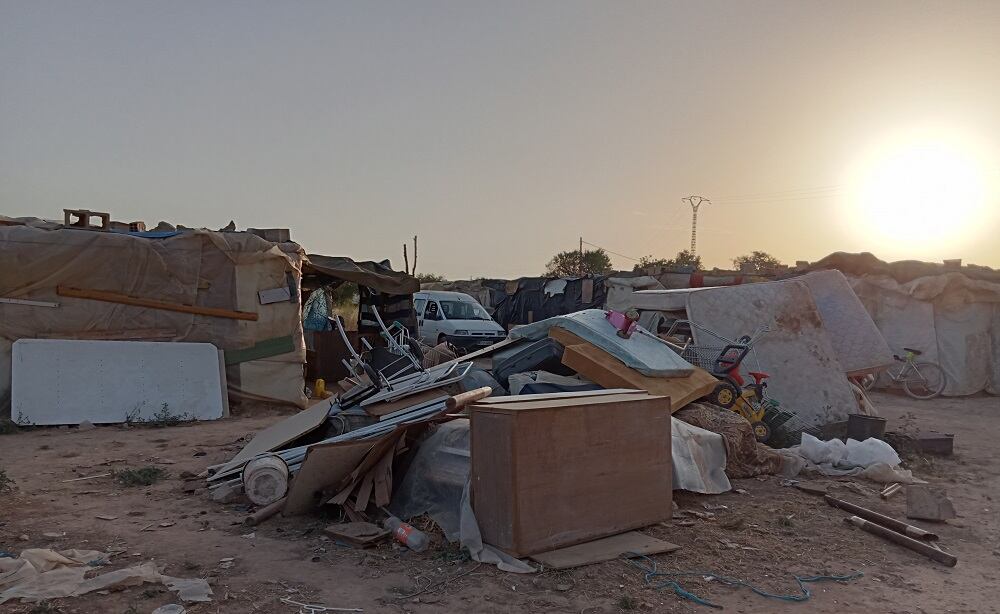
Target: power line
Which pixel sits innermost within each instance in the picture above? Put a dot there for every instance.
(819, 188)
(609, 251)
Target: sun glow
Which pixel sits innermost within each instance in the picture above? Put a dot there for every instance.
(918, 197)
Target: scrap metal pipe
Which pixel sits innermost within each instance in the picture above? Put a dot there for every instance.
(907, 542)
(886, 521)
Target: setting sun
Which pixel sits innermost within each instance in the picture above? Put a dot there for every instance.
(914, 193)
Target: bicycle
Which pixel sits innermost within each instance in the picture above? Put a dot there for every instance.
(920, 380)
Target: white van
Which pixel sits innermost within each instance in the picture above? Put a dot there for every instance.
(455, 317)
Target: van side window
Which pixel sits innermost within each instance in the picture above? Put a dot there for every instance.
(418, 306)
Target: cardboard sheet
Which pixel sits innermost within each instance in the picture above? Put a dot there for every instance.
(605, 549)
(325, 465)
(278, 434)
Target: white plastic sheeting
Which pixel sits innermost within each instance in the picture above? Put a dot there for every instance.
(871, 459)
(953, 320)
(699, 459)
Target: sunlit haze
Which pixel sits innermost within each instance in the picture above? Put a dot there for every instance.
(502, 132)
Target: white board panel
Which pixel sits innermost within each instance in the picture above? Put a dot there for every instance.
(56, 381)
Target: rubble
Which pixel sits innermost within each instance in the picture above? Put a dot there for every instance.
(566, 444)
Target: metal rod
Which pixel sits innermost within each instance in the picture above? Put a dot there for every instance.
(907, 542)
(886, 521)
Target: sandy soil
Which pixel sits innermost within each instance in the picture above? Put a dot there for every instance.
(765, 535)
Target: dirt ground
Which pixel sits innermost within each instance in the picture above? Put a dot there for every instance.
(765, 534)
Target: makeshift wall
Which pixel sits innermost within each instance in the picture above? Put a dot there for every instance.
(195, 267)
(530, 299)
(953, 319)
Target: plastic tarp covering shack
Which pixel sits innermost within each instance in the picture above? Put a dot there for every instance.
(951, 314)
(375, 275)
(530, 299)
(223, 270)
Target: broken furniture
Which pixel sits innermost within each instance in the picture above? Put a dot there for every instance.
(602, 368)
(642, 352)
(558, 470)
(542, 355)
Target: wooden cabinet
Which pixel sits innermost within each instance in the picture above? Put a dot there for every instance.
(554, 472)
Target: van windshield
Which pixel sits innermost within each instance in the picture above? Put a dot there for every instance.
(463, 310)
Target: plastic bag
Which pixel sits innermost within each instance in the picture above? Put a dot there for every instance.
(823, 452)
(870, 451)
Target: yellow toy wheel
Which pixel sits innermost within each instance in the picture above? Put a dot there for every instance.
(761, 431)
(724, 395)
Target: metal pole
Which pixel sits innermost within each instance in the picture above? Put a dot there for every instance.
(695, 202)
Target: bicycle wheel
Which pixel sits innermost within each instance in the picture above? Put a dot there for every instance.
(924, 380)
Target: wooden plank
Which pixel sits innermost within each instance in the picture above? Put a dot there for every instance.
(261, 349)
(551, 396)
(383, 479)
(341, 497)
(383, 408)
(111, 335)
(602, 368)
(357, 534)
(26, 302)
(124, 299)
(281, 433)
(365, 492)
(324, 466)
(605, 549)
(610, 400)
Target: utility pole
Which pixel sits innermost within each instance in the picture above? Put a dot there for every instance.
(581, 256)
(695, 202)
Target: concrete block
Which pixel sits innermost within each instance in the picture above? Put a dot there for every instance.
(925, 502)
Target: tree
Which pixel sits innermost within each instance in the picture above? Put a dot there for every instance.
(684, 259)
(426, 278)
(567, 264)
(756, 262)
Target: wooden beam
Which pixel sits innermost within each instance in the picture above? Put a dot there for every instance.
(124, 299)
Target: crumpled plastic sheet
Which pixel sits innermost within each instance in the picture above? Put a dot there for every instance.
(645, 354)
(872, 459)
(445, 498)
(40, 574)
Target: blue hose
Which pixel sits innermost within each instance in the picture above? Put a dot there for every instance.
(670, 580)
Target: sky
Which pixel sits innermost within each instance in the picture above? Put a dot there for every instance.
(502, 132)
